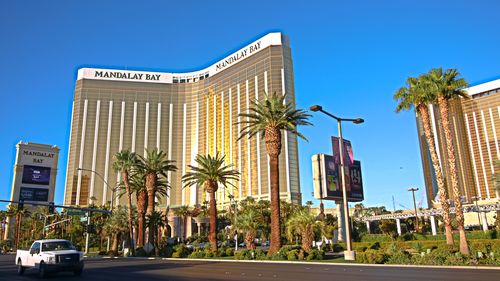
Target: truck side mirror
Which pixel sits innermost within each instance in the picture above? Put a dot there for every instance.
(78, 248)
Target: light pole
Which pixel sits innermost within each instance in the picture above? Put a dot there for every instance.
(413, 189)
(233, 202)
(477, 198)
(349, 254)
(87, 235)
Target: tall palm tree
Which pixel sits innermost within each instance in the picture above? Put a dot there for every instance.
(184, 212)
(416, 94)
(302, 223)
(249, 222)
(19, 213)
(447, 86)
(116, 225)
(125, 162)
(269, 118)
(209, 173)
(155, 166)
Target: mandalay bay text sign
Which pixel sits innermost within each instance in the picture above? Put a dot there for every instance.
(167, 77)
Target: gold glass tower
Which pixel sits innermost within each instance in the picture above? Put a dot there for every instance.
(476, 127)
(183, 114)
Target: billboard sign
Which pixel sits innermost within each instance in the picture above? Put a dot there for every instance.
(328, 182)
(36, 175)
(34, 194)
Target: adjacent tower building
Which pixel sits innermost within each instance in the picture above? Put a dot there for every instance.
(476, 127)
(183, 114)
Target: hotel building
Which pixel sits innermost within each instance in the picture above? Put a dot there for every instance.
(183, 114)
(475, 125)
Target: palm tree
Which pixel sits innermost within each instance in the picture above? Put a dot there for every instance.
(249, 222)
(183, 212)
(3, 222)
(124, 162)
(209, 173)
(416, 94)
(155, 165)
(302, 223)
(447, 86)
(19, 213)
(155, 221)
(270, 117)
(117, 225)
(138, 186)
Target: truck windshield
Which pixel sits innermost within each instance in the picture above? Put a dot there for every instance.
(57, 246)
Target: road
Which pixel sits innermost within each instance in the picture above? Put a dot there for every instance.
(183, 270)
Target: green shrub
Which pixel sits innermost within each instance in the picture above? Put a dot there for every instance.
(375, 246)
(339, 247)
(399, 257)
(221, 252)
(260, 255)
(180, 251)
(376, 238)
(229, 252)
(292, 255)
(375, 256)
(197, 255)
(279, 256)
(244, 254)
(166, 251)
(315, 255)
(140, 252)
(208, 253)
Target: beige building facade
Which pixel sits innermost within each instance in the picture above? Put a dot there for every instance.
(476, 129)
(183, 114)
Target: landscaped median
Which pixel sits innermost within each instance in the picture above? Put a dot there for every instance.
(420, 252)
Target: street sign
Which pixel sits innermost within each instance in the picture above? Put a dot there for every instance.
(83, 219)
(75, 213)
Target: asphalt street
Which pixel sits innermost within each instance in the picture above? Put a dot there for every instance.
(183, 270)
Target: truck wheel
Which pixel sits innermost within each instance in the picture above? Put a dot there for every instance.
(42, 270)
(20, 267)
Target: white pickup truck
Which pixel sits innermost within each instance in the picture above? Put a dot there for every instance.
(50, 255)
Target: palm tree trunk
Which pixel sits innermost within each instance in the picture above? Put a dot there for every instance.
(275, 206)
(212, 236)
(249, 239)
(151, 179)
(424, 114)
(141, 207)
(273, 147)
(184, 228)
(307, 241)
(129, 211)
(114, 245)
(444, 110)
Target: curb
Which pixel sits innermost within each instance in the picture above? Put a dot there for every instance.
(304, 263)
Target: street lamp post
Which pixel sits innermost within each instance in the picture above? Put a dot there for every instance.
(349, 254)
(417, 225)
(233, 202)
(87, 235)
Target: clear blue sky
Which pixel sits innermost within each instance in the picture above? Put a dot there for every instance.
(349, 56)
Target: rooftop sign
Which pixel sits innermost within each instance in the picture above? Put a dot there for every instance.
(165, 77)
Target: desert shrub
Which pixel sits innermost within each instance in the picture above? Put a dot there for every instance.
(221, 252)
(399, 257)
(376, 238)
